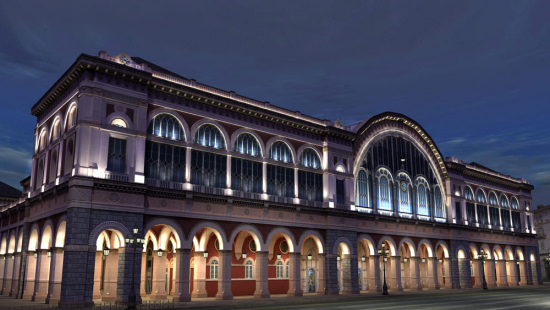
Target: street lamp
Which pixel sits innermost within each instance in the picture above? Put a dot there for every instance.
(278, 255)
(384, 253)
(134, 243)
(244, 254)
(483, 256)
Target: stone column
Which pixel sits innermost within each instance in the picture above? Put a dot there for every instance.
(511, 270)
(294, 288)
(183, 257)
(321, 278)
(346, 274)
(478, 274)
(188, 165)
(8, 274)
(42, 277)
(432, 269)
(531, 269)
(522, 272)
(224, 280)
(110, 281)
(56, 268)
(502, 275)
(199, 278)
(464, 273)
(28, 290)
(490, 273)
(158, 290)
(396, 283)
(15, 273)
(414, 264)
(143, 277)
(448, 274)
(374, 273)
(332, 276)
(2, 273)
(98, 263)
(406, 278)
(262, 290)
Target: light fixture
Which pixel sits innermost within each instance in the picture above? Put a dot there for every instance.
(106, 251)
(49, 253)
(244, 254)
(135, 231)
(205, 254)
(363, 258)
(278, 255)
(35, 255)
(440, 260)
(127, 240)
(405, 259)
(309, 256)
(423, 260)
(338, 257)
(159, 253)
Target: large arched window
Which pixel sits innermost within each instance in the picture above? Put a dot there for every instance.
(310, 158)
(384, 190)
(247, 144)
(480, 196)
(504, 201)
(493, 198)
(166, 126)
(438, 203)
(362, 191)
(214, 269)
(280, 151)
(422, 201)
(56, 130)
(468, 194)
(209, 135)
(515, 203)
(404, 193)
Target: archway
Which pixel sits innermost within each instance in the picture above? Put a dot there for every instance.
(312, 264)
(520, 267)
(501, 277)
(475, 267)
(344, 268)
(428, 266)
(365, 265)
(30, 271)
(409, 266)
(56, 272)
(511, 267)
(43, 262)
(443, 265)
(250, 262)
(109, 245)
(283, 264)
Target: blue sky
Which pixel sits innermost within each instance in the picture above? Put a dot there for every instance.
(474, 74)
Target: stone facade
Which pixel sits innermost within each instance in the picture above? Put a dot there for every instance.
(228, 196)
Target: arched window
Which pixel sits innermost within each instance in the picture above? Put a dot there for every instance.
(468, 194)
(69, 158)
(310, 158)
(214, 269)
(71, 119)
(56, 130)
(209, 135)
(119, 122)
(248, 270)
(166, 126)
(404, 193)
(504, 201)
(53, 166)
(480, 196)
(279, 273)
(422, 207)
(39, 174)
(280, 151)
(362, 189)
(493, 198)
(515, 203)
(247, 144)
(438, 203)
(384, 190)
(42, 140)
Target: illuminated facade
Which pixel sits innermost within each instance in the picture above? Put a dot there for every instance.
(238, 197)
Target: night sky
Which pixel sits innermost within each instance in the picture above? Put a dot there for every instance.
(475, 75)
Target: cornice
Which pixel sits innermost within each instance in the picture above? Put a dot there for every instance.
(488, 177)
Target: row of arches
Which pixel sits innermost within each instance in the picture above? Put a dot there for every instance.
(48, 133)
(481, 197)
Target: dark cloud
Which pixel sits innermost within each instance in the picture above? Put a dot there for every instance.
(475, 71)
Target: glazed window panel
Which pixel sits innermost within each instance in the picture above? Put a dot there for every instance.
(310, 186)
(482, 214)
(505, 218)
(340, 191)
(279, 269)
(471, 212)
(422, 203)
(384, 194)
(214, 269)
(362, 189)
(280, 151)
(246, 175)
(166, 126)
(404, 193)
(516, 221)
(468, 194)
(247, 144)
(248, 270)
(438, 203)
(208, 169)
(495, 218)
(280, 181)
(209, 135)
(493, 198)
(164, 162)
(309, 158)
(116, 160)
(504, 201)
(480, 196)
(515, 203)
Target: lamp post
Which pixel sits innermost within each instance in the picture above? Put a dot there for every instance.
(384, 253)
(135, 243)
(483, 256)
